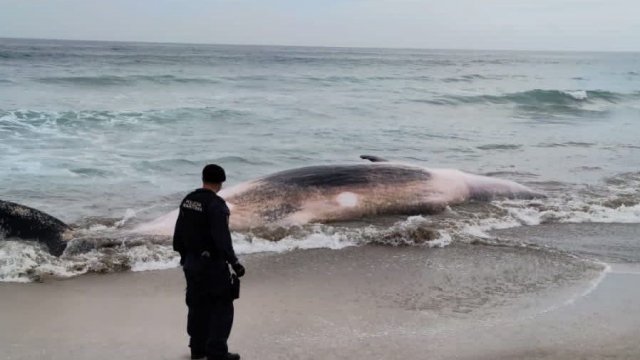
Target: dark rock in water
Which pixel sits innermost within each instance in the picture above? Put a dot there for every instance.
(409, 236)
(275, 233)
(30, 224)
(620, 201)
(94, 220)
(112, 261)
(81, 245)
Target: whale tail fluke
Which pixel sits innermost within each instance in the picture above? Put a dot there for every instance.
(23, 222)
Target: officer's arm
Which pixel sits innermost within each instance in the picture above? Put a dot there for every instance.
(178, 241)
(219, 220)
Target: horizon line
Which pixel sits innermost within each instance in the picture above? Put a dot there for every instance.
(317, 46)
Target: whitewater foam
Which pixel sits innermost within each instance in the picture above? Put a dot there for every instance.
(28, 261)
(102, 249)
(577, 94)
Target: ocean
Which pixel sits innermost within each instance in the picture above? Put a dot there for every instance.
(107, 135)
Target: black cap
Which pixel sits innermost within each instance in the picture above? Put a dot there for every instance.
(213, 174)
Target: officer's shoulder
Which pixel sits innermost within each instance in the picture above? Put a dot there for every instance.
(216, 200)
(191, 195)
(218, 203)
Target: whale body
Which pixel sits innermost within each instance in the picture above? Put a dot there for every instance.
(329, 193)
(312, 194)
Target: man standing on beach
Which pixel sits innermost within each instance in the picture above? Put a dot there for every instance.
(203, 240)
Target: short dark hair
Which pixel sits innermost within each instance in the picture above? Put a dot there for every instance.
(213, 174)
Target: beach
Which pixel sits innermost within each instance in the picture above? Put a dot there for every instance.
(354, 303)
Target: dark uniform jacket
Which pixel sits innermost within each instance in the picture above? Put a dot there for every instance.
(203, 240)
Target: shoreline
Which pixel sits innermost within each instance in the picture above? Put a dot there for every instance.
(601, 324)
(319, 304)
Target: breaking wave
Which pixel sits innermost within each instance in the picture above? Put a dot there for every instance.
(536, 97)
(44, 121)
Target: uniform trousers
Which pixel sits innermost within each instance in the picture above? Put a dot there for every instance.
(210, 305)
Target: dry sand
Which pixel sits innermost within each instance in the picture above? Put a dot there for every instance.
(325, 304)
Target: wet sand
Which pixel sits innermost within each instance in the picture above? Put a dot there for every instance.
(369, 302)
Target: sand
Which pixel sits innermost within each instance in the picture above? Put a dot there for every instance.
(339, 304)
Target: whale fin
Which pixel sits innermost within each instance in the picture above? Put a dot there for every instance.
(373, 158)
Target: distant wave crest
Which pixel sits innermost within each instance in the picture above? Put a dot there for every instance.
(468, 78)
(112, 80)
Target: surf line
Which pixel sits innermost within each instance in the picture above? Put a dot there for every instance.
(593, 284)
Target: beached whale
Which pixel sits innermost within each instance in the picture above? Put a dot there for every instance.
(313, 194)
(329, 193)
(23, 222)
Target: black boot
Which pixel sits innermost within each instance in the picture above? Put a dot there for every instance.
(200, 354)
(232, 356)
(228, 356)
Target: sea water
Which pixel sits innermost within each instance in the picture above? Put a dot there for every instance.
(105, 135)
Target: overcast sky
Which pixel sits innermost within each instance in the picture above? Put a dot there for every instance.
(608, 25)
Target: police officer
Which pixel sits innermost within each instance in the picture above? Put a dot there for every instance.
(203, 240)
